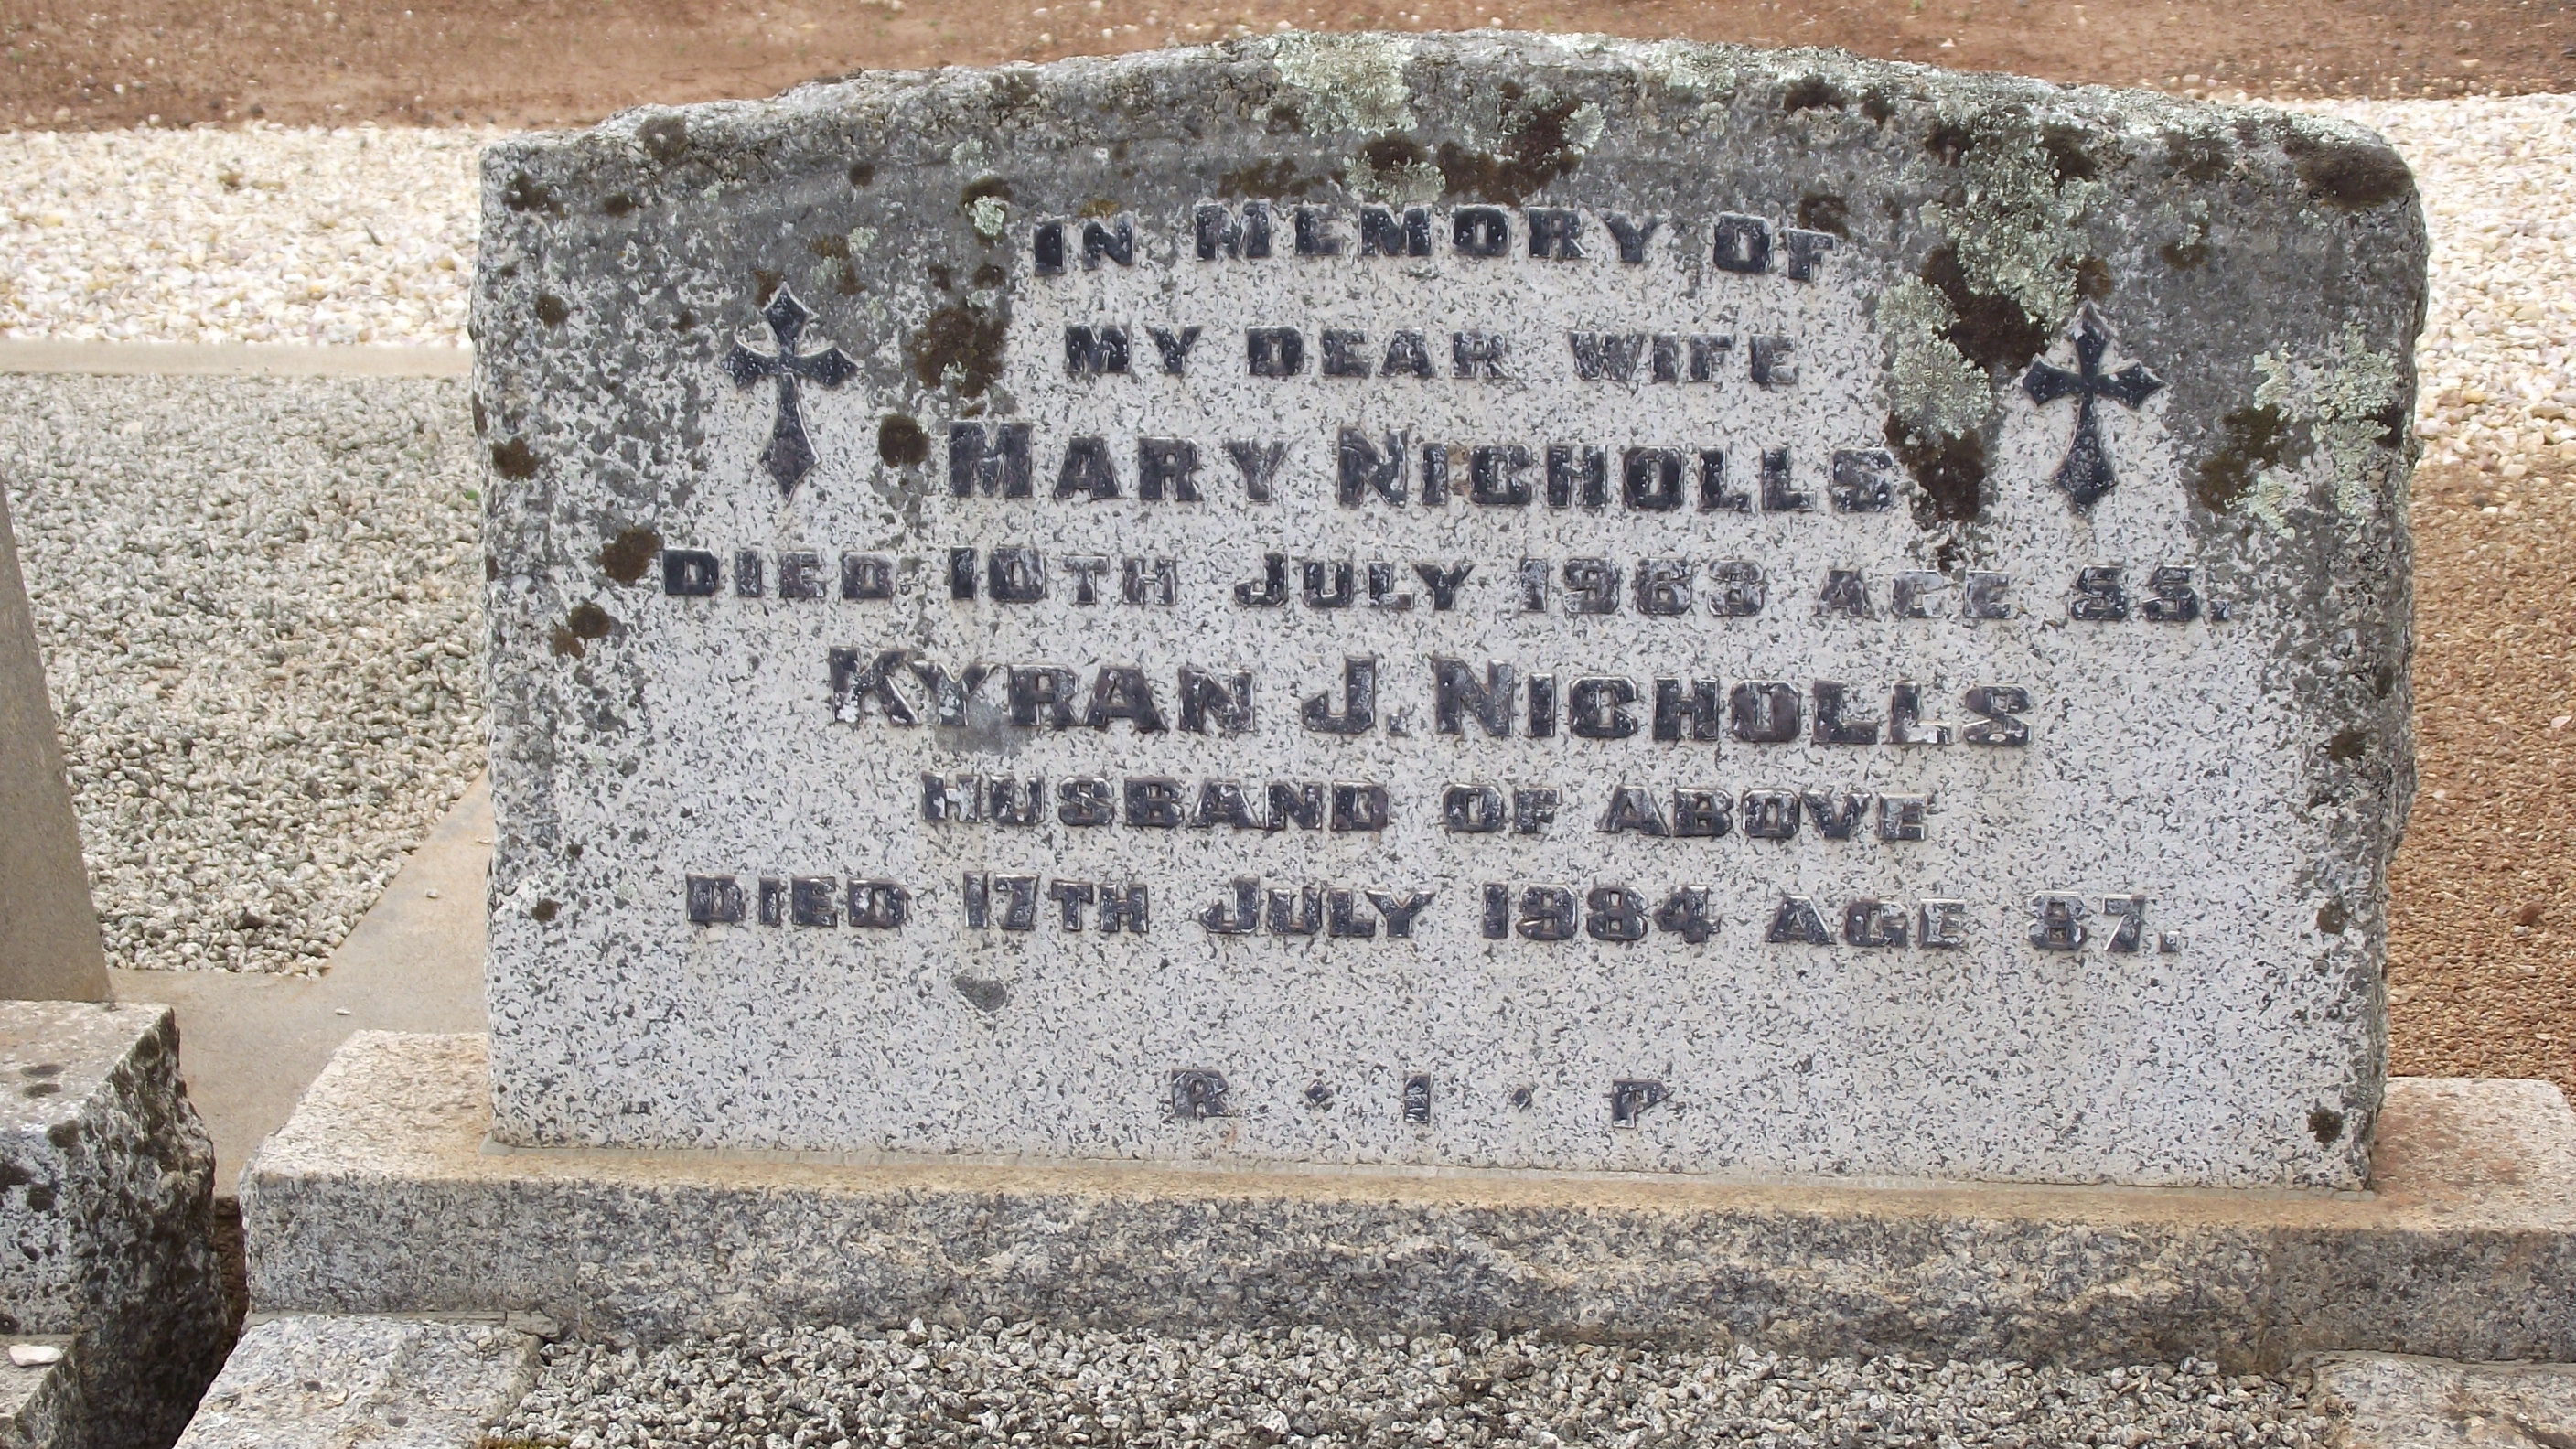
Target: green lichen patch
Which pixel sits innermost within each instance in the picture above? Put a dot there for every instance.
(1933, 388)
(1346, 82)
(2016, 228)
(1394, 169)
(2351, 400)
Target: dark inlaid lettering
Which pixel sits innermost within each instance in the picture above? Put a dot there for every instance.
(1174, 347)
(991, 461)
(1834, 723)
(1836, 817)
(1598, 708)
(1095, 351)
(1941, 924)
(1591, 586)
(1632, 810)
(1630, 1098)
(1862, 480)
(1384, 233)
(1778, 496)
(1480, 231)
(1741, 244)
(1085, 802)
(1578, 474)
(1476, 354)
(1364, 468)
(1769, 364)
(1770, 815)
(1631, 235)
(1765, 711)
(1259, 465)
(1198, 1094)
(1499, 476)
(1313, 233)
(1219, 701)
(1221, 233)
(1555, 234)
(1417, 1099)
(1878, 925)
(690, 573)
(1737, 589)
(1408, 354)
(714, 900)
(1650, 479)
(1272, 591)
(2099, 596)
(1998, 708)
(866, 577)
(1701, 814)
(1342, 356)
(1359, 708)
(813, 900)
(1795, 921)
(2057, 922)
(2171, 599)
(1274, 351)
(1663, 587)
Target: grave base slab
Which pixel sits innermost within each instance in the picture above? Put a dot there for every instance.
(314, 1382)
(382, 1196)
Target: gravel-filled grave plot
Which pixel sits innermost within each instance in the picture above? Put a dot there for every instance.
(260, 606)
(833, 1388)
(256, 235)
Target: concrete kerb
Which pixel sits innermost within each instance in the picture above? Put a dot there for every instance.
(232, 359)
(251, 1044)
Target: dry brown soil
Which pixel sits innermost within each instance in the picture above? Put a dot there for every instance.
(545, 62)
(2482, 948)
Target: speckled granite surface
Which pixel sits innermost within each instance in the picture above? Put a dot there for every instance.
(314, 1382)
(106, 1212)
(1959, 729)
(381, 1196)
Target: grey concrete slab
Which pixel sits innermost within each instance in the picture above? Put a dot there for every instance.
(384, 1195)
(2394, 1401)
(252, 1043)
(274, 359)
(49, 945)
(321, 1382)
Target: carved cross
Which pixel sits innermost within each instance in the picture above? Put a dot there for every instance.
(2086, 474)
(789, 456)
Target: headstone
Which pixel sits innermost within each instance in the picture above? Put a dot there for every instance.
(107, 1216)
(49, 946)
(1471, 601)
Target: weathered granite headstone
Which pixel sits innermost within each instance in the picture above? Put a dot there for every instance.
(49, 946)
(1473, 601)
(107, 1217)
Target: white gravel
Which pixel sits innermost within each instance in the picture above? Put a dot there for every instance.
(2497, 384)
(833, 1388)
(258, 235)
(260, 606)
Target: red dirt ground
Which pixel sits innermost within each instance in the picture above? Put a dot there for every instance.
(78, 63)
